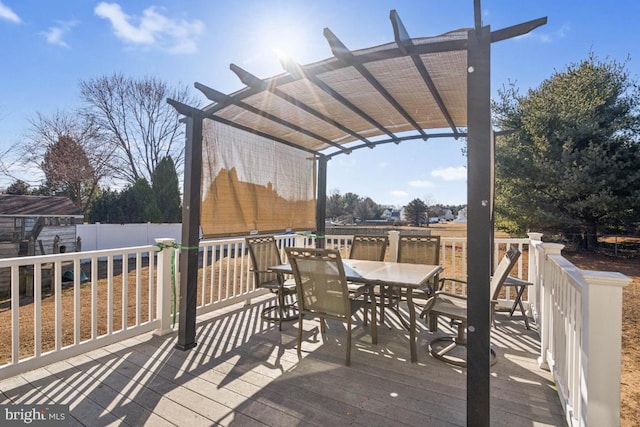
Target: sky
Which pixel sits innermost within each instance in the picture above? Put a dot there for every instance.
(48, 46)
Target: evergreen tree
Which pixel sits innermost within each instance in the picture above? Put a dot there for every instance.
(416, 212)
(167, 192)
(572, 164)
(139, 203)
(134, 204)
(335, 205)
(18, 187)
(107, 208)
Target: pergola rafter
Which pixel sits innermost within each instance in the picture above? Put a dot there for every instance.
(405, 44)
(254, 82)
(341, 52)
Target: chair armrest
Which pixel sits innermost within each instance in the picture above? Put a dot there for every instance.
(253, 270)
(449, 294)
(357, 289)
(450, 279)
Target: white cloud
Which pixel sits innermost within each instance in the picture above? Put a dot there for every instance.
(152, 29)
(451, 174)
(563, 31)
(421, 184)
(54, 35)
(546, 37)
(8, 14)
(399, 193)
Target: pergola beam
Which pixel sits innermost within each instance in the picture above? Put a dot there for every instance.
(517, 30)
(222, 98)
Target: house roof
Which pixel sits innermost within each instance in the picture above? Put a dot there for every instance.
(37, 206)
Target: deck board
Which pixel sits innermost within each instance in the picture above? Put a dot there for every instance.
(245, 372)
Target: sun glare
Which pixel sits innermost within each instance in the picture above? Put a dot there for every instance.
(284, 41)
(282, 37)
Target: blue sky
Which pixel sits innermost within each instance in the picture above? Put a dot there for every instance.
(48, 46)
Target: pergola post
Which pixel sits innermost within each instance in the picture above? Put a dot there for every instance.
(321, 202)
(480, 226)
(190, 232)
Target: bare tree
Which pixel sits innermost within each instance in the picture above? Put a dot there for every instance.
(137, 120)
(70, 151)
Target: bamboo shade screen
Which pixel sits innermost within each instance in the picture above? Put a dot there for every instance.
(251, 183)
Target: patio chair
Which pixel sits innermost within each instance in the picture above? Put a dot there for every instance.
(371, 248)
(323, 292)
(454, 307)
(265, 254)
(413, 250)
(420, 250)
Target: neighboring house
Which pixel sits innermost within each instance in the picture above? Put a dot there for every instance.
(391, 214)
(448, 215)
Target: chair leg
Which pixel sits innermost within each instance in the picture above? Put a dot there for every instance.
(300, 335)
(374, 323)
(433, 322)
(365, 315)
(383, 297)
(349, 343)
(280, 308)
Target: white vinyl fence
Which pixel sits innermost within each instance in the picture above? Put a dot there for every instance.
(111, 236)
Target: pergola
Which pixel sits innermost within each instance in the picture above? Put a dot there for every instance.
(411, 88)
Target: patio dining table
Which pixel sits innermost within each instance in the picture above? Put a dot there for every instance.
(395, 274)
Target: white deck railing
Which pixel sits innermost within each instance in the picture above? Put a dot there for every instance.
(83, 316)
(579, 316)
(577, 312)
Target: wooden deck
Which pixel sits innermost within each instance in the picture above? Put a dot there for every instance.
(245, 372)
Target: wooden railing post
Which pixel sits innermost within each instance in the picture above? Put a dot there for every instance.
(601, 347)
(166, 255)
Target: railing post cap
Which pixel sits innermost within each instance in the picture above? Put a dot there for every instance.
(553, 248)
(606, 278)
(535, 236)
(164, 240)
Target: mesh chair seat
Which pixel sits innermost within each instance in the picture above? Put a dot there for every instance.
(452, 349)
(323, 292)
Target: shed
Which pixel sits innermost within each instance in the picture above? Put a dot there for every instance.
(29, 224)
